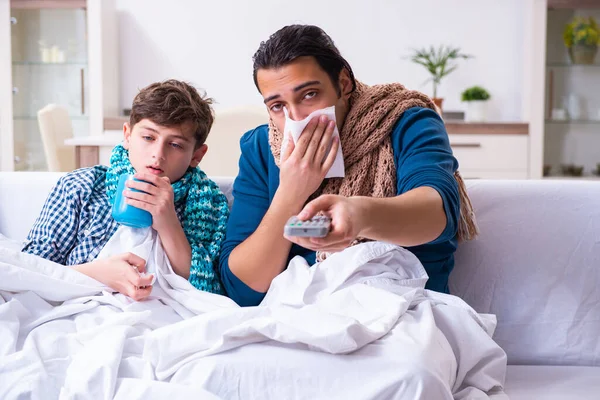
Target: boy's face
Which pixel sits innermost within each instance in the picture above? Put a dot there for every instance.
(302, 87)
(161, 150)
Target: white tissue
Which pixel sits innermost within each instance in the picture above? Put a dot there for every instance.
(296, 128)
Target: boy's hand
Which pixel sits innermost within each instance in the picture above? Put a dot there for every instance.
(121, 273)
(158, 199)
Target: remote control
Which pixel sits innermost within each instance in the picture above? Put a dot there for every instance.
(317, 226)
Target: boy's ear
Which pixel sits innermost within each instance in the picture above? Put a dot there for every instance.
(126, 135)
(198, 155)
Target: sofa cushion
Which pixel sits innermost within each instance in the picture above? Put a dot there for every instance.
(525, 382)
(536, 265)
(22, 196)
(226, 185)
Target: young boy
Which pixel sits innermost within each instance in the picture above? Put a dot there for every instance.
(164, 142)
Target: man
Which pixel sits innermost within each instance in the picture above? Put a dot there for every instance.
(400, 183)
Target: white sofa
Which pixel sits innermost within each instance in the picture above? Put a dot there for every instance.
(536, 265)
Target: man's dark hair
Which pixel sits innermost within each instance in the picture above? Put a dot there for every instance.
(173, 103)
(293, 41)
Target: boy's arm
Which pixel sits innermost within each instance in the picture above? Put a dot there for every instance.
(120, 272)
(156, 196)
(194, 260)
(54, 233)
(184, 256)
(177, 247)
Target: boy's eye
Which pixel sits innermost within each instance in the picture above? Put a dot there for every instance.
(177, 145)
(147, 138)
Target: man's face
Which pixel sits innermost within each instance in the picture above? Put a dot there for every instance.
(161, 150)
(302, 87)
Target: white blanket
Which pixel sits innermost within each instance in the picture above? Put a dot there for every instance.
(64, 335)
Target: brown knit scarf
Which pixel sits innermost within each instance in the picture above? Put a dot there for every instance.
(366, 144)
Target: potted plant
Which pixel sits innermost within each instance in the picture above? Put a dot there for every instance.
(439, 63)
(476, 98)
(581, 36)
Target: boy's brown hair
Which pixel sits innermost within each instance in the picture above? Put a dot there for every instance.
(173, 103)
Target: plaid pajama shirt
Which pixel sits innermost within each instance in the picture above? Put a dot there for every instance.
(76, 221)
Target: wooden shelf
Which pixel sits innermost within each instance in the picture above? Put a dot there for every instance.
(573, 121)
(81, 64)
(571, 4)
(487, 128)
(114, 123)
(573, 178)
(37, 4)
(571, 65)
(453, 127)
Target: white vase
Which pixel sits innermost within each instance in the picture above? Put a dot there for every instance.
(476, 111)
(575, 106)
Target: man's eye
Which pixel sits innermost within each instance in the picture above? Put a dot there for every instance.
(276, 107)
(310, 95)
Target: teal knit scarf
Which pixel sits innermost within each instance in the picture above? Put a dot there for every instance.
(204, 218)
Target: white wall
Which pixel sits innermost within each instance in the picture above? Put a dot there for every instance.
(211, 43)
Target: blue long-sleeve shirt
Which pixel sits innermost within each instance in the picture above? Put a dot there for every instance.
(423, 157)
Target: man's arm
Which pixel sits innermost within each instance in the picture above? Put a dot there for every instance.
(425, 176)
(260, 258)
(411, 219)
(255, 251)
(427, 206)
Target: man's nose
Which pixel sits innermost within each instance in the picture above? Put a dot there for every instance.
(297, 114)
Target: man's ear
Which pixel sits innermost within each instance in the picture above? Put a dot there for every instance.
(198, 155)
(345, 83)
(126, 135)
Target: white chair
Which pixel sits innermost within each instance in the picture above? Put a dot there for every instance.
(224, 138)
(55, 127)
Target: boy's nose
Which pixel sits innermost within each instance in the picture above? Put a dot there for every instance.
(159, 153)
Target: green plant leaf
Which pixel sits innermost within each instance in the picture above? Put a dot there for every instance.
(581, 31)
(438, 61)
(475, 93)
